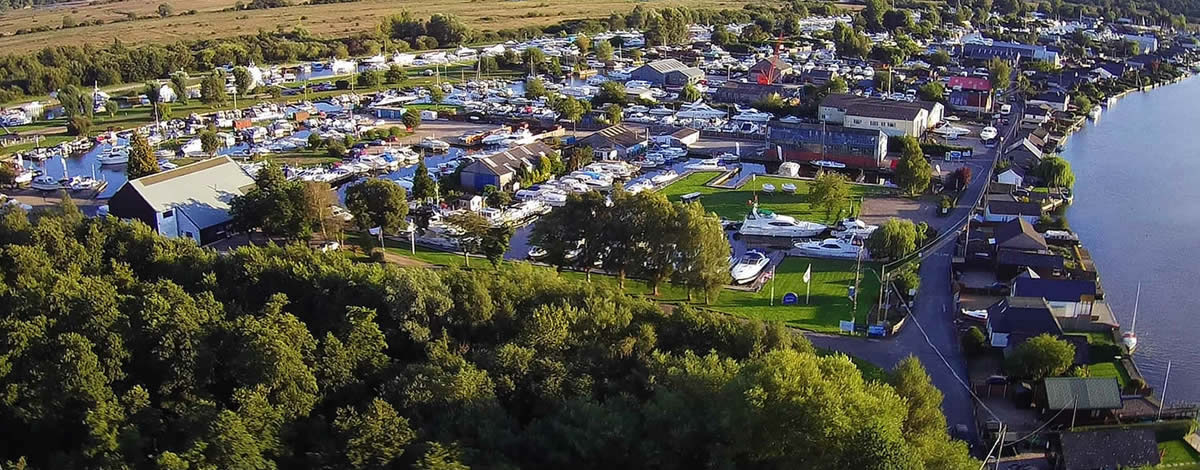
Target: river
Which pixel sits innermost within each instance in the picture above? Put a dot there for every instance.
(1137, 210)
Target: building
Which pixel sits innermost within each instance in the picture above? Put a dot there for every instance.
(818, 77)
(1085, 400)
(618, 141)
(501, 170)
(667, 72)
(769, 70)
(1147, 43)
(1011, 177)
(859, 148)
(191, 201)
(1014, 320)
(1067, 297)
(1108, 448)
(1056, 100)
(1005, 211)
(972, 94)
(1010, 51)
(894, 118)
(1019, 247)
(748, 93)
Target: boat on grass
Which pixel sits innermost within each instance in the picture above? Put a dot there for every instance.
(749, 267)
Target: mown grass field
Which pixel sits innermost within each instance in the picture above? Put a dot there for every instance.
(733, 204)
(330, 20)
(1179, 454)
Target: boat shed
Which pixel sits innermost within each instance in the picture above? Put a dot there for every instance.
(668, 72)
(191, 201)
(500, 170)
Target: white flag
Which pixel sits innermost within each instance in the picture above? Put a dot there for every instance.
(808, 274)
(375, 230)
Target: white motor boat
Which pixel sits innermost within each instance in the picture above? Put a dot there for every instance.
(951, 131)
(81, 183)
(788, 188)
(988, 133)
(752, 115)
(766, 223)
(828, 164)
(430, 143)
(46, 183)
(706, 164)
(749, 267)
(768, 188)
(853, 227)
(664, 177)
(1094, 113)
(829, 248)
(537, 252)
(115, 156)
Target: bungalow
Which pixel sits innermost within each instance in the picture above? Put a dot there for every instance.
(1005, 211)
(972, 94)
(1067, 297)
(1035, 116)
(1056, 100)
(191, 201)
(1090, 400)
(1011, 177)
(747, 93)
(858, 148)
(1108, 448)
(1013, 320)
(619, 141)
(501, 170)
(894, 118)
(818, 77)
(1020, 247)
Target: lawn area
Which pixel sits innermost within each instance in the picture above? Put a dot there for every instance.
(733, 204)
(47, 141)
(1109, 369)
(829, 302)
(1178, 452)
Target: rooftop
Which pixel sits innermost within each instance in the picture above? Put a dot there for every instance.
(1082, 393)
(1026, 316)
(203, 189)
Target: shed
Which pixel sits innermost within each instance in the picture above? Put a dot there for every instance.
(191, 201)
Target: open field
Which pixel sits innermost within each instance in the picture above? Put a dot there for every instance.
(733, 204)
(332, 20)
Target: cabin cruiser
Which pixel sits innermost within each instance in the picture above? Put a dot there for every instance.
(46, 183)
(763, 222)
(749, 267)
(768, 188)
(828, 164)
(537, 252)
(430, 143)
(706, 164)
(664, 177)
(852, 227)
(752, 115)
(81, 183)
(114, 156)
(661, 111)
(829, 248)
(988, 133)
(1094, 113)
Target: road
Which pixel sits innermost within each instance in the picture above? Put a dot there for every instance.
(930, 334)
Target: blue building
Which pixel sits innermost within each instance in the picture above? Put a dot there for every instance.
(859, 148)
(500, 170)
(1011, 51)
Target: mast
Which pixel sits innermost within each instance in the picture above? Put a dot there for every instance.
(1133, 326)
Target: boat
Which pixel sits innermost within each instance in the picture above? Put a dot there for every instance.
(749, 267)
(664, 177)
(829, 248)
(537, 252)
(1129, 338)
(766, 223)
(768, 188)
(46, 183)
(115, 156)
(1094, 113)
(752, 115)
(706, 164)
(828, 164)
(852, 227)
(980, 315)
(430, 143)
(82, 183)
(988, 133)
(788, 188)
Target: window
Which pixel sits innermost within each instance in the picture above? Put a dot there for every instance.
(168, 213)
(891, 124)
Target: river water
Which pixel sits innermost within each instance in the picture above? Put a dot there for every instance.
(1137, 210)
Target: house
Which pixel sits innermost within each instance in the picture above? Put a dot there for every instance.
(1107, 448)
(894, 118)
(1056, 100)
(1011, 177)
(972, 94)
(1019, 247)
(1143, 61)
(1147, 43)
(1067, 297)
(1035, 116)
(1004, 211)
(685, 137)
(191, 201)
(803, 142)
(388, 111)
(620, 140)
(990, 49)
(769, 70)
(667, 72)
(746, 93)
(1086, 400)
(501, 170)
(817, 77)
(1013, 320)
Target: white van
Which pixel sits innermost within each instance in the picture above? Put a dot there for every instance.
(1005, 109)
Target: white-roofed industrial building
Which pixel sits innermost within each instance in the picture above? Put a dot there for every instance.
(191, 201)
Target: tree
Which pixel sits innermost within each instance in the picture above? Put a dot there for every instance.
(974, 342)
(79, 125)
(210, 142)
(374, 438)
(335, 148)
(829, 190)
(704, 251)
(153, 92)
(604, 51)
(447, 29)
(111, 107)
(689, 93)
(1042, 356)
(314, 140)
(8, 175)
(496, 241)
(1055, 172)
(610, 92)
(141, 158)
(165, 10)
(411, 119)
(912, 171)
(378, 203)
(212, 89)
(436, 94)
(873, 14)
(999, 74)
(243, 81)
(321, 199)
(179, 86)
(370, 79)
(941, 58)
(488, 64)
(75, 102)
(614, 114)
(275, 205)
(962, 178)
(395, 75)
(533, 58)
(470, 231)
(837, 85)
(423, 188)
(932, 91)
(570, 109)
(534, 88)
(894, 239)
(583, 43)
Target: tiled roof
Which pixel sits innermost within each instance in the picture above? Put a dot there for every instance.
(1025, 316)
(509, 160)
(1082, 393)
(1019, 234)
(970, 83)
(1054, 290)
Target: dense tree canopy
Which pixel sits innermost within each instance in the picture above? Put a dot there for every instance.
(124, 349)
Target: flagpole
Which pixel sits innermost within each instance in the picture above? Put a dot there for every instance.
(772, 287)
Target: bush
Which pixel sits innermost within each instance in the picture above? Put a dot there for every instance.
(974, 342)
(377, 255)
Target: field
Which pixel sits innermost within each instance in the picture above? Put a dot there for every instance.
(734, 204)
(329, 20)
(1179, 454)
(1109, 369)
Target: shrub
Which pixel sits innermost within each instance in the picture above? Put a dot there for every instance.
(974, 342)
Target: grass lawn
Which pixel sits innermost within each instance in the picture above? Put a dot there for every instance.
(828, 303)
(47, 141)
(1109, 369)
(733, 203)
(1178, 452)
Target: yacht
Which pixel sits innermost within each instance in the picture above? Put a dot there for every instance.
(829, 248)
(706, 164)
(1094, 113)
(661, 111)
(430, 143)
(115, 156)
(853, 227)
(664, 177)
(752, 115)
(988, 133)
(81, 183)
(749, 267)
(1129, 338)
(766, 223)
(828, 164)
(46, 183)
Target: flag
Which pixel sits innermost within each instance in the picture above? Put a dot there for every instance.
(808, 274)
(375, 230)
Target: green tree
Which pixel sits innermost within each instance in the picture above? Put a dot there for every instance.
(837, 85)
(111, 107)
(941, 58)
(533, 59)
(278, 207)
(704, 251)
(912, 171)
(894, 239)
(496, 242)
(689, 93)
(1055, 172)
(395, 75)
(79, 125)
(1042, 356)
(829, 190)
(470, 231)
(179, 86)
(534, 88)
(583, 43)
(411, 119)
(335, 148)
(610, 92)
(378, 203)
(999, 74)
(374, 438)
(614, 114)
(370, 79)
(423, 188)
(974, 342)
(604, 51)
(873, 14)
(210, 142)
(570, 109)
(141, 158)
(243, 81)
(314, 140)
(932, 91)
(212, 89)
